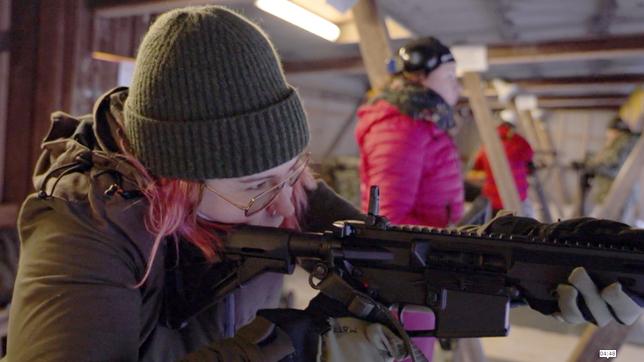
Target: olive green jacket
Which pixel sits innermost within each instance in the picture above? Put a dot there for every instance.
(84, 245)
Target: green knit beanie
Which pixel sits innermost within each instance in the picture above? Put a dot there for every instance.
(209, 98)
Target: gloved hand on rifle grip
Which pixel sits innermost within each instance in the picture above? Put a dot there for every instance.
(291, 335)
(600, 307)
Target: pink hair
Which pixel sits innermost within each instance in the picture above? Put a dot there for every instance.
(173, 213)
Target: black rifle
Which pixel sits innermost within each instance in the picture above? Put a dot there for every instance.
(467, 280)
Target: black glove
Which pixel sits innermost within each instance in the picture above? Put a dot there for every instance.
(584, 229)
(261, 340)
(344, 337)
(303, 329)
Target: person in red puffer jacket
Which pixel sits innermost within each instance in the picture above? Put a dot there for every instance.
(405, 147)
(519, 155)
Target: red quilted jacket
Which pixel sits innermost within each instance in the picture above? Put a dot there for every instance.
(519, 154)
(415, 164)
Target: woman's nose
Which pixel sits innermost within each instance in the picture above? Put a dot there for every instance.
(283, 203)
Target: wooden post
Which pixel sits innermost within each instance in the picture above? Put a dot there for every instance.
(613, 335)
(593, 339)
(562, 194)
(528, 129)
(374, 41)
(551, 158)
(527, 124)
(496, 154)
(623, 184)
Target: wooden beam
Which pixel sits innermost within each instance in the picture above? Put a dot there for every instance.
(622, 187)
(581, 101)
(581, 49)
(122, 8)
(374, 41)
(550, 157)
(493, 147)
(527, 124)
(632, 111)
(550, 147)
(584, 97)
(577, 87)
(291, 67)
(581, 81)
(322, 65)
(113, 58)
(563, 102)
(583, 108)
(612, 336)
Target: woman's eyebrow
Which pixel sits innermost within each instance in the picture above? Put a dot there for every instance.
(260, 178)
(255, 179)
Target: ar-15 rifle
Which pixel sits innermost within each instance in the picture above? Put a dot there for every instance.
(468, 280)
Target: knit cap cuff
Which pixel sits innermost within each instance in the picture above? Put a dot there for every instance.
(228, 147)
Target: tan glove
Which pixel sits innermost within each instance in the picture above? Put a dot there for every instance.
(624, 309)
(352, 339)
(259, 341)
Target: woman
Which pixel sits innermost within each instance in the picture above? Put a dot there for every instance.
(122, 239)
(208, 124)
(404, 140)
(405, 145)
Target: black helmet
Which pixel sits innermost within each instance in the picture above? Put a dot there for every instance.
(426, 54)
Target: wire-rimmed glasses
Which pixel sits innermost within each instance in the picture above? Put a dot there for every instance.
(265, 198)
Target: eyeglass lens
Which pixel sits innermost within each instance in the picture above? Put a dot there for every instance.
(269, 196)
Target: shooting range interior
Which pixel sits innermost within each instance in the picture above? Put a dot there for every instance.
(557, 72)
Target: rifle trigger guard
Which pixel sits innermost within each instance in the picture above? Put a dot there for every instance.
(319, 272)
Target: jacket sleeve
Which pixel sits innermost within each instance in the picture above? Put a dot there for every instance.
(394, 151)
(73, 299)
(525, 150)
(325, 207)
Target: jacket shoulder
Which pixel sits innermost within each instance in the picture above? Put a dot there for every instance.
(86, 230)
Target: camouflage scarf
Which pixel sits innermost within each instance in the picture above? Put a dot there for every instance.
(417, 102)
